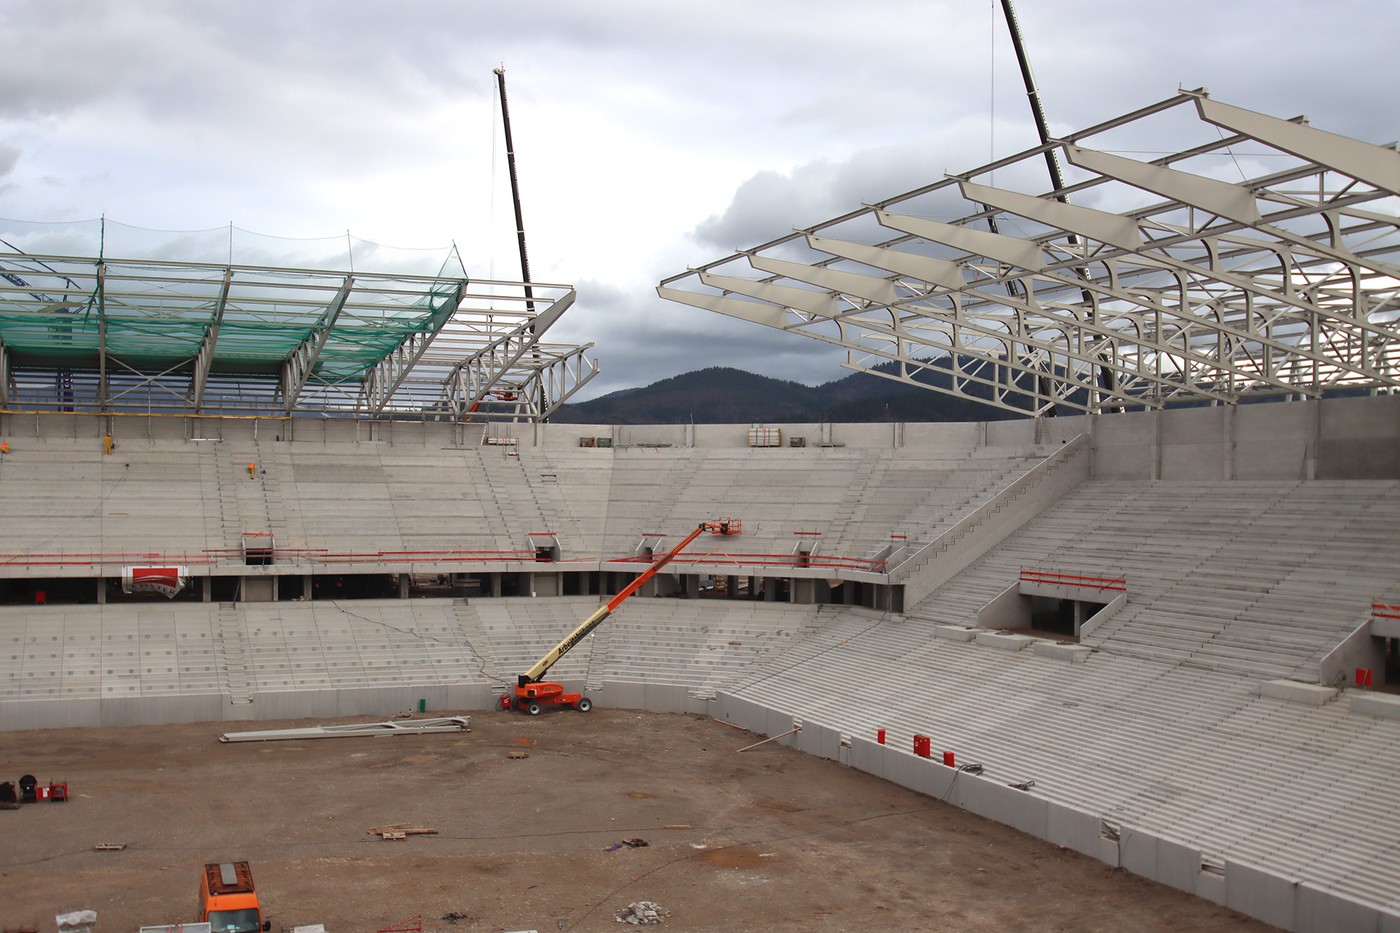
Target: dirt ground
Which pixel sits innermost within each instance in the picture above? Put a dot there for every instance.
(772, 839)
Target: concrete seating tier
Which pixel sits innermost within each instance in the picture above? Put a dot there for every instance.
(703, 644)
(1186, 753)
(95, 652)
(175, 496)
(1260, 579)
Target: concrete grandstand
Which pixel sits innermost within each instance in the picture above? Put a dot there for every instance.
(1152, 623)
(1162, 636)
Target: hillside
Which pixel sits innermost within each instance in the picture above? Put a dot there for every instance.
(720, 395)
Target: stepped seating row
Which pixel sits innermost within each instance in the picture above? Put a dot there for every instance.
(122, 652)
(176, 497)
(696, 643)
(1232, 576)
(1134, 739)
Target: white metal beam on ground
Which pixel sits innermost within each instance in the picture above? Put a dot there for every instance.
(353, 730)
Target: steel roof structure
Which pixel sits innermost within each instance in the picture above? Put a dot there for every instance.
(101, 335)
(1262, 259)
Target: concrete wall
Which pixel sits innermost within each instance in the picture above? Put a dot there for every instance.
(1355, 438)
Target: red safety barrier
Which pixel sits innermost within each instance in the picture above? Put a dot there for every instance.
(766, 560)
(923, 746)
(1363, 677)
(1114, 584)
(1381, 610)
(948, 759)
(880, 736)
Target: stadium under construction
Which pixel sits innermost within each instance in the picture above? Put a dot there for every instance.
(1162, 620)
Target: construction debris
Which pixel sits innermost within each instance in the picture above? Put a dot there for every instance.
(517, 754)
(676, 826)
(635, 842)
(642, 913)
(109, 846)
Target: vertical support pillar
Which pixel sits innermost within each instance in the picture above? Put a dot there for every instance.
(1227, 443)
(1157, 417)
(770, 590)
(207, 589)
(692, 586)
(733, 588)
(101, 591)
(1310, 467)
(404, 581)
(496, 584)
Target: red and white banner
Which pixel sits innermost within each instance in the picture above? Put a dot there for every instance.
(167, 580)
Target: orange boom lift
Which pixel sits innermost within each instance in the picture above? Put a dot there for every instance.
(532, 695)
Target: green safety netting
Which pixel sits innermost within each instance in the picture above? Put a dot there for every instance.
(156, 316)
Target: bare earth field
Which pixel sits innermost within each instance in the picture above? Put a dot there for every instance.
(777, 840)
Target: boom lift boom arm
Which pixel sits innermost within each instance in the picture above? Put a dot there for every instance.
(573, 638)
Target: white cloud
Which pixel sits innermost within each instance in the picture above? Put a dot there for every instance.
(651, 137)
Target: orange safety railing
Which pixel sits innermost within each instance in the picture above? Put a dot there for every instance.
(289, 556)
(1112, 584)
(1380, 610)
(768, 560)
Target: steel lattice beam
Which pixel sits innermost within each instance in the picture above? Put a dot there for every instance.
(1178, 285)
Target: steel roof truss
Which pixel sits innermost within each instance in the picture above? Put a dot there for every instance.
(302, 361)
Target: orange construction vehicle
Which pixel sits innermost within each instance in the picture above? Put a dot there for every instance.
(532, 695)
(228, 902)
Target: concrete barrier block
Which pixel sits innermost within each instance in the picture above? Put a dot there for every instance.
(1178, 866)
(742, 713)
(779, 722)
(954, 632)
(905, 770)
(1210, 884)
(620, 694)
(1000, 802)
(699, 705)
(1137, 852)
(158, 711)
(868, 756)
(50, 714)
(376, 702)
(1260, 894)
(296, 704)
(472, 696)
(1022, 810)
(1320, 911)
(665, 698)
(1295, 692)
(1074, 829)
(1004, 641)
(1076, 654)
(1380, 705)
(829, 742)
(1390, 919)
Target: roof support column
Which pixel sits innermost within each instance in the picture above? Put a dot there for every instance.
(302, 361)
(204, 358)
(102, 390)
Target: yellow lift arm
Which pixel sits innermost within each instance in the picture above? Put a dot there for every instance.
(573, 638)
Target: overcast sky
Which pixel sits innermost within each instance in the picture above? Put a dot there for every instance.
(650, 136)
